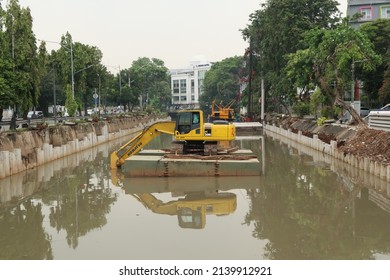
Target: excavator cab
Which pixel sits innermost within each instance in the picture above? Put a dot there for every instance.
(191, 218)
(188, 121)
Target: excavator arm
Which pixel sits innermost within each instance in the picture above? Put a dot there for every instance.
(132, 147)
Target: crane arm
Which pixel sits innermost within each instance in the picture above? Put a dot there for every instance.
(132, 147)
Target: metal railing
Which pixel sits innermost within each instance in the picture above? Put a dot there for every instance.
(31, 123)
(379, 120)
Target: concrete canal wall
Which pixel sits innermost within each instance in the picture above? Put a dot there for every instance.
(299, 130)
(23, 150)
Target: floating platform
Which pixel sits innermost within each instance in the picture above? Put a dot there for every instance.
(182, 185)
(158, 163)
(247, 127)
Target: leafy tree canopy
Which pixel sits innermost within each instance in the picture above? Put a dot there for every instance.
(327, 60)
(150, 79)
(222, 82)
(378, 33)
(277, 30)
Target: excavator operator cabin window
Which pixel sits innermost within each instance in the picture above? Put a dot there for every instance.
(184, 124)
(195, 118)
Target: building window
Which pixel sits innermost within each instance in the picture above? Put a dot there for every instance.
(175, 86)
(192, 86)
(385, 11)
(183, 86)
(366, 13)
(183, 98)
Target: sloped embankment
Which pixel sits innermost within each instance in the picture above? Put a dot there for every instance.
(22, 150)
(360, 142)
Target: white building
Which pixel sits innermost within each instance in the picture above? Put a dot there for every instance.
(187, 84)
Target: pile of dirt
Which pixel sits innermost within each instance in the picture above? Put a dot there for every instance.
(370, 143)
(363, 142)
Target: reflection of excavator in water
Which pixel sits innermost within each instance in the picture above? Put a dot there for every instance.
(191, 210)
(191, 133)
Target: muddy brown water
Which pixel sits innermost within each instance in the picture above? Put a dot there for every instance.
(303, 206)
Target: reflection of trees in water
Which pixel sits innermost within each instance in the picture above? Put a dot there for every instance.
(82, 201)
(79, 199)
(305, 213)
(22, 235)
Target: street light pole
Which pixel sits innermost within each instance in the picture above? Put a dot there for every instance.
(71, 66)
(353, 83)
(99, 93)
(54, 95)
(120, 87)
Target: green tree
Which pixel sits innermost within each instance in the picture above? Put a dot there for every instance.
(277, 30)
(222, 82)
(385, 89)
(70, 103)
(7, 98)
(46, 68)
(21, 51)
(86, 68)
(378, 33)
(111, 90)
(327, 61)
(150, 80)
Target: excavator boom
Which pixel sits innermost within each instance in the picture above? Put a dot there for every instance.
(139, 141)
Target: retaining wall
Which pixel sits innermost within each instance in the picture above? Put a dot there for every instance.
(373, 167)
(20, 151)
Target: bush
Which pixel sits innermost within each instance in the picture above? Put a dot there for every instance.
(301, 109)
(321, 121)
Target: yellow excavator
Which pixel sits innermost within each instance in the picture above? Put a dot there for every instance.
(221, 112)
(191, 210)
(191, 134)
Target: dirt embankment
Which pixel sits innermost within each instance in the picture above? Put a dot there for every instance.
(29, 141)
(363, 142)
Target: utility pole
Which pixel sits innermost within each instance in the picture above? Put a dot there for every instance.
(120, 88)
(71, 66)
(54, 95)
(262, 99)
(250, 94)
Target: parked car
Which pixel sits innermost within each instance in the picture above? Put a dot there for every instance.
(35, 115)
(364, 112)
(385, 108)
(379, 111)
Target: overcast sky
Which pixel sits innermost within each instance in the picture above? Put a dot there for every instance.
(174, 31)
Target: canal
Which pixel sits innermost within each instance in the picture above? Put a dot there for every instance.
(303, 206)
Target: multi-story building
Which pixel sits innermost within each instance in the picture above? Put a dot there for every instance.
(187, 84)
(369, 9)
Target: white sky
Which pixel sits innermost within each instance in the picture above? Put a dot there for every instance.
(174, 31)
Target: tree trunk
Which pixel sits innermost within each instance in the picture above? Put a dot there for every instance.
(355, 116)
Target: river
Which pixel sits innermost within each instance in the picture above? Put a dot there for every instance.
(303, 206)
